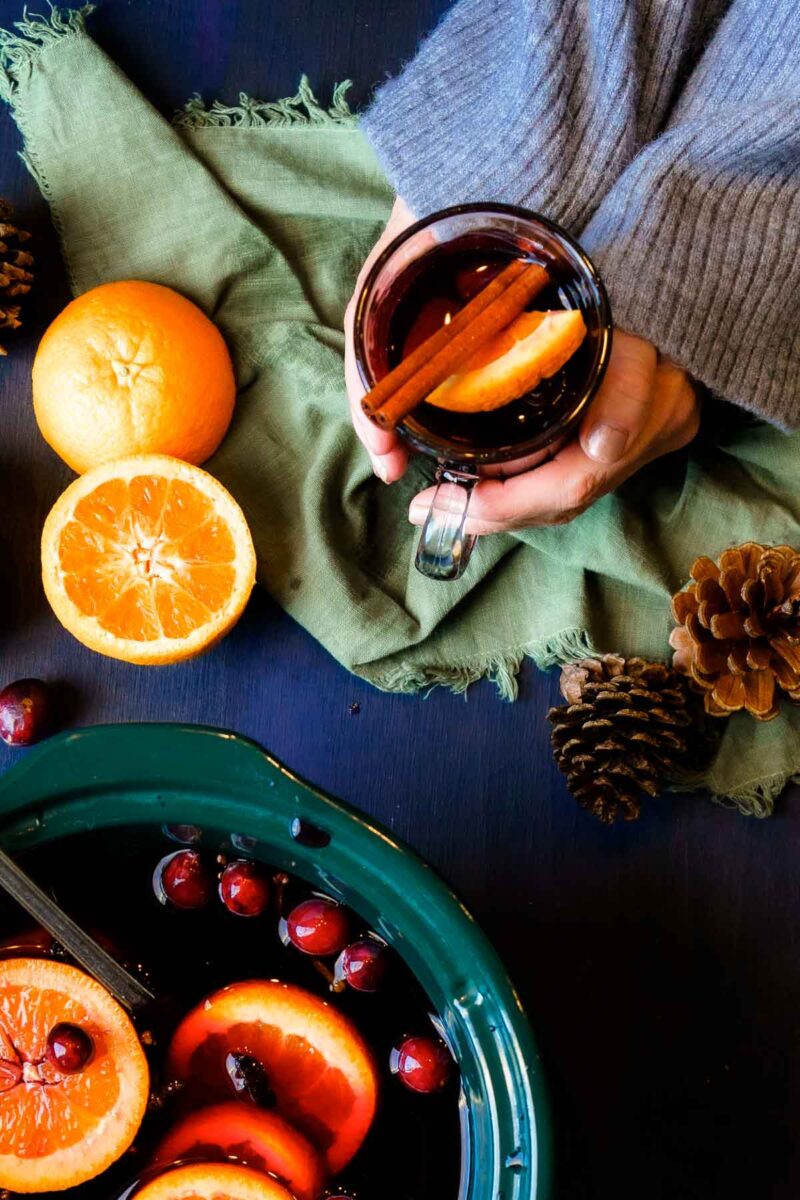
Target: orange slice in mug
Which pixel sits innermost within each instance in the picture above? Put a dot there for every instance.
(147, 559)
(57, 1128)
(515, 361)
(254, 1137)
(316, 1062)
(213, 1181)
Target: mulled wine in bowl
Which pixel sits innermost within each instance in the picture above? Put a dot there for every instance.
(520, 385)
(326, 1021)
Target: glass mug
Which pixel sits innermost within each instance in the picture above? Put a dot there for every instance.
(437, 262)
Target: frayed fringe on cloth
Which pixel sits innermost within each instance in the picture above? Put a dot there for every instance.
(35, 33)
(755, 799)
(300, 109)
(20, 47)
(502, 670)
(19, 50)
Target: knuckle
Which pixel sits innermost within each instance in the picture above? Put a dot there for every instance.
(582, 492)
(683, 421)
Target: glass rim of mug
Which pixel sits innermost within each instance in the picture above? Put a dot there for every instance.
(439, 447)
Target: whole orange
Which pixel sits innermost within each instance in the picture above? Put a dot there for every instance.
(132, 368)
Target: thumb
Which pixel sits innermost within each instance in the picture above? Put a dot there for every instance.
(620, 409)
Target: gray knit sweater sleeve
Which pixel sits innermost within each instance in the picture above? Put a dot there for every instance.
(664, 133)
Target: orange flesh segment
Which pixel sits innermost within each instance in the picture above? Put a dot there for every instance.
(532, 348)
(213, 1181)
(32, 1117)
(254, 1137)
(58, 1130)
(149, 558)
(317, 1064)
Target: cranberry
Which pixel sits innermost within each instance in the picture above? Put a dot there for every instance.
(69, 1047)
(363, 964)
(249, 1079)
(244, 888)
(186, 834)
(243, 842)
(182, 879)
(423, 1064)
(309, 834)
(318, 926)
(26, 712)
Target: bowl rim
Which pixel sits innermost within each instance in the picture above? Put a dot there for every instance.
(122, 775)
(437, 447)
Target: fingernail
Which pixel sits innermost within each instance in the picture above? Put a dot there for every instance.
(606, 443)
(416, 512)
(379, 468)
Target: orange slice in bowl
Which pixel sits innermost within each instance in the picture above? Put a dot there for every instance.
(316, 1062)
(256, 1138)
(532, 348)
(213, 1181)
(58, 1130)
(147, 559)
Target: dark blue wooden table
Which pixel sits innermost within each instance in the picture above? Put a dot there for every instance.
(660, 961)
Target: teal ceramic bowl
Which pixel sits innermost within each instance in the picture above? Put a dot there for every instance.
(149, 774)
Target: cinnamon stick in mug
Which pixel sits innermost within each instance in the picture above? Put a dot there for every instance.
(494, 307)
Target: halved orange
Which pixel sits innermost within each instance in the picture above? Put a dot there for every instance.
(147, 559)
(256, 1138)
(59, 1130)
(213, 1181)
(532, 348)
(316, 1061)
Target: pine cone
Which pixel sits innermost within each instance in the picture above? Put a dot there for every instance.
(738, 632)
(15, 276)
(622, 732)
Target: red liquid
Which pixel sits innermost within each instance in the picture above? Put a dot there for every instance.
(104, 880)
(429, 293)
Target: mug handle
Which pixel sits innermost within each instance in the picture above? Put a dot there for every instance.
(444, 549)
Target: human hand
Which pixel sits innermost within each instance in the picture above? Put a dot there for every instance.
(645, 407)
(387, 453)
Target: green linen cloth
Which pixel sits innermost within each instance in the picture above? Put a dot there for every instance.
(263, 214)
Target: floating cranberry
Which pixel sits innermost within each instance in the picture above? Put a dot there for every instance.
(363, 964)
(318, 926)
(423, 1064)
(182, 879)
(244, 888)
(243, 842)
(249, 1079)
(186, 834)
(308, 834)
(69, 1047)
(26, 712)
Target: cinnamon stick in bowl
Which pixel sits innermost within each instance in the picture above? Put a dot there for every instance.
(494, 307)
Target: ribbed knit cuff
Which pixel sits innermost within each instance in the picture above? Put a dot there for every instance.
(699, 256)
(435, 126)
(554, 104)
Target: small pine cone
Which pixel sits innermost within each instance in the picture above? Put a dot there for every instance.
(623, 731)
(15, 274)
(738, 629)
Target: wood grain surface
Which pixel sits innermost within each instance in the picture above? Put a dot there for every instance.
(660, 961)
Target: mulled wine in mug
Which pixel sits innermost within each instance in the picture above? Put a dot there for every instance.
(481, 334)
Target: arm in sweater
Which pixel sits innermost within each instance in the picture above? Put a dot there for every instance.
(678, 168)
